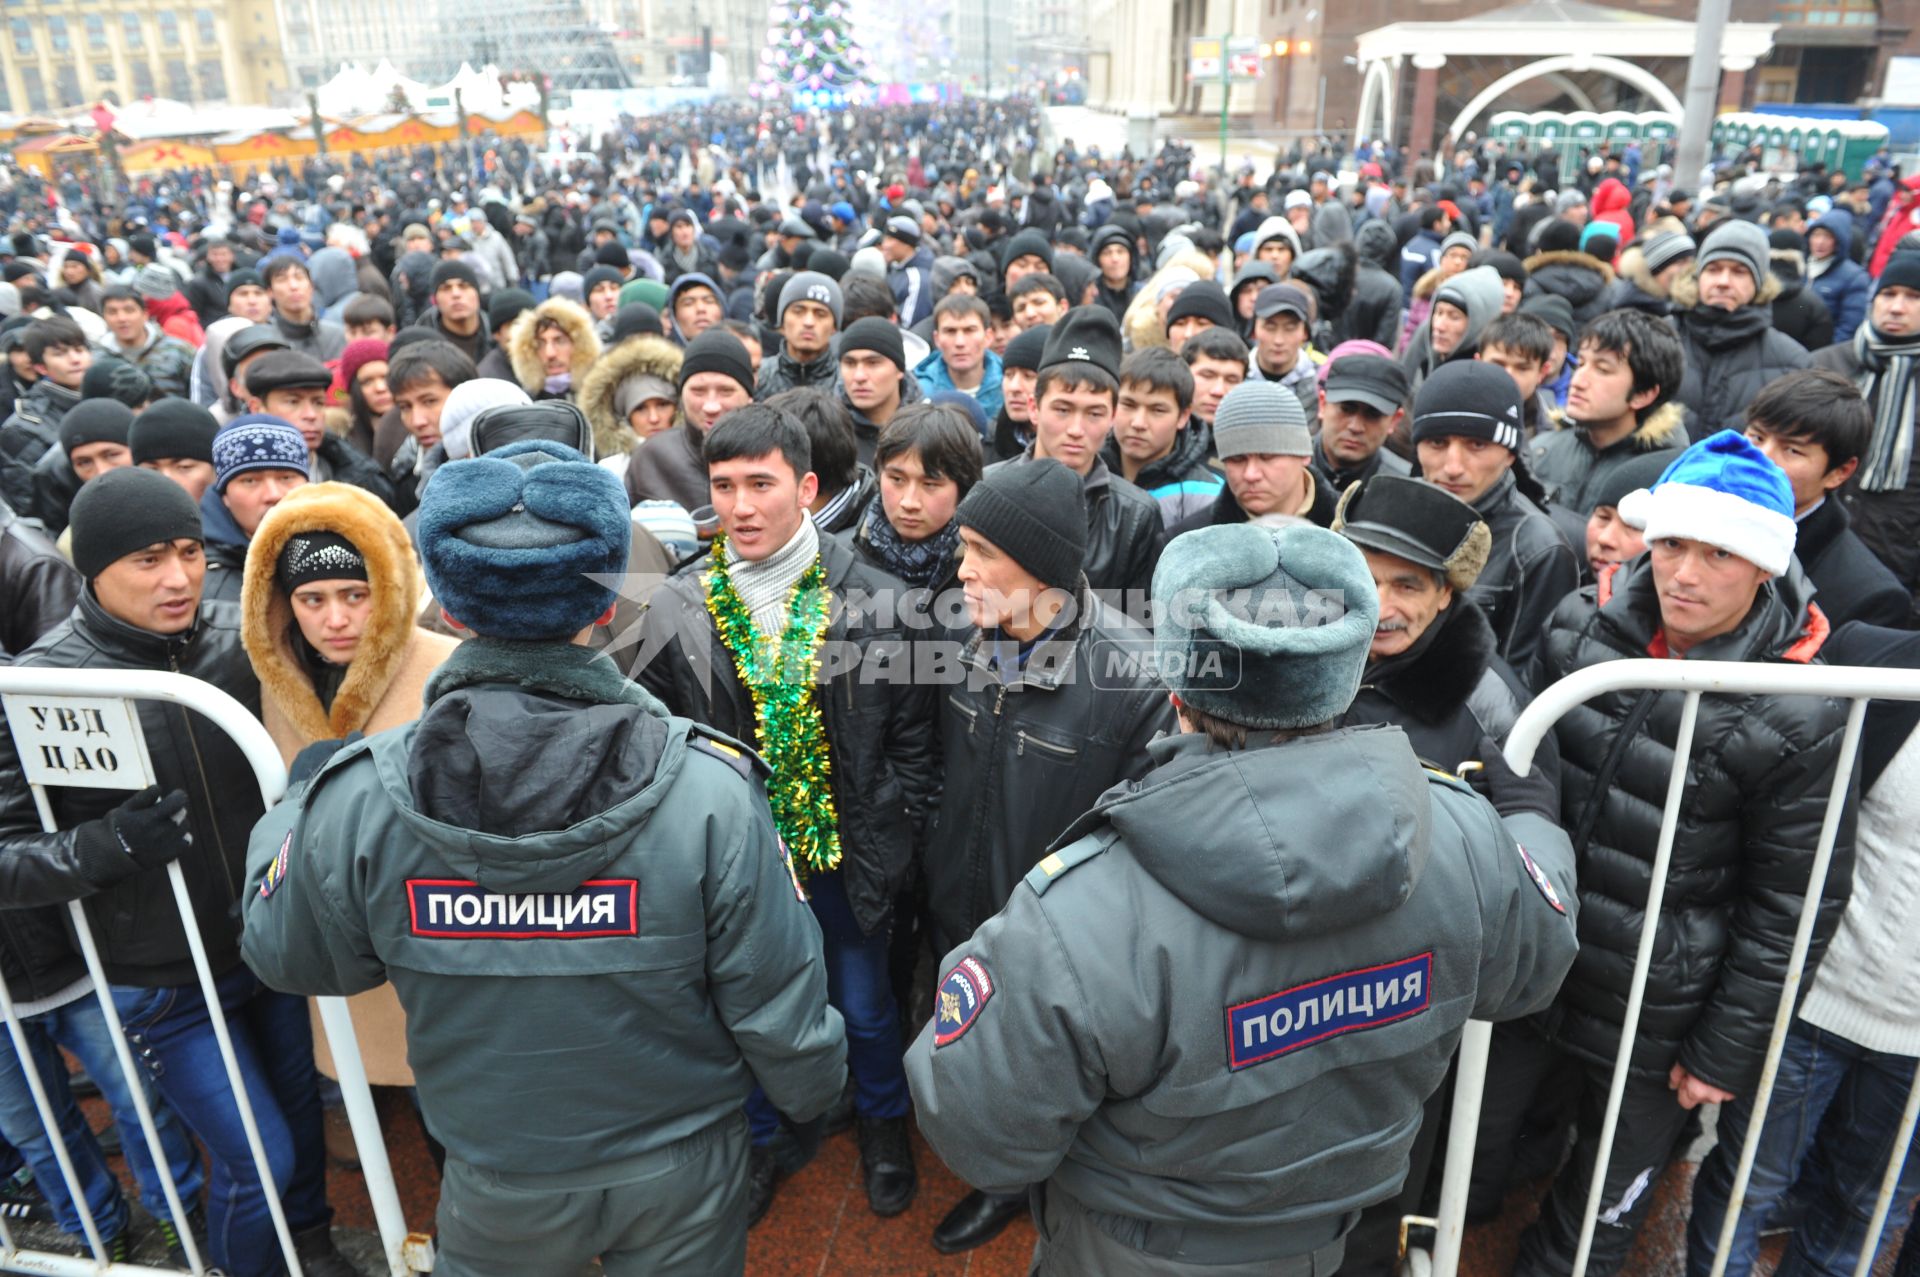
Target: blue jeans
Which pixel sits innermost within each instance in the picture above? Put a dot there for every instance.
(81, 1028)
(273, 1042)
(861, 989)
(1836, 1107)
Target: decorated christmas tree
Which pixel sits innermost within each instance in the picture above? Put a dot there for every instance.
(811, 58)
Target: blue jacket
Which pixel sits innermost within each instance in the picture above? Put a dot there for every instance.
(1844, 286)
(933, 377)
(912, 285)
(1418, 256)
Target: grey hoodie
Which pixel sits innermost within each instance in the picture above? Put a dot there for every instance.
(1226, 995)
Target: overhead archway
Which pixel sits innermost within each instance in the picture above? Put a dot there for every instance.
(1619, 68)
(1376, 101)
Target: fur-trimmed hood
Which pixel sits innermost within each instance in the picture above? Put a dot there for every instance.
(1633, 268)
(267, 626)
(1142, 325)
(1686, 290)
(1665, 427)
(1429, 282)
(644, 354)
(1568, 258)
(524, 351)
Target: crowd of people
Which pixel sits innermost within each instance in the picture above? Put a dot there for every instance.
(851, 622)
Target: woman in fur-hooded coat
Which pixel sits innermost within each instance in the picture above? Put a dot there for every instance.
(615, 379)
(523, 348)
(303, 700)
(1142, 327)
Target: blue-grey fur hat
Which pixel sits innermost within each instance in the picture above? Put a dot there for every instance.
(522, 543)
(1264, 627)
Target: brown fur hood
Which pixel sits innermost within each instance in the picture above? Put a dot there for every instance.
(1631, 265)
(1665, 427)
(654, 356)
(525, 353)
(1568, 257)
(1686, 290)
(1633, 268)
(267, 625)
(1142, 326)
(1429, 283)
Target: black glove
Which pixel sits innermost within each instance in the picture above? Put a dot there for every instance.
(1508, 791)
(308, 762)
(152, 829)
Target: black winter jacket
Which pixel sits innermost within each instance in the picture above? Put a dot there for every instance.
(1730, 358)
(784, 372)
(38, 587)
(1530, 568)
(1583, 279)
(1756, 792)
(1800, 312)
(25, 437)
(348, 465)
(879, 729)
(132, 914)
(1026, 754)
(1852, 584)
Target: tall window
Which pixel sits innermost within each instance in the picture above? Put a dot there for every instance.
(96, 32)
(57, 34)
(213, 80)
(67, 81)
(169, 28)
(131, 34)
(22, 36)
(179, 83)
(142, 80)
(36, 89)
(204, 32)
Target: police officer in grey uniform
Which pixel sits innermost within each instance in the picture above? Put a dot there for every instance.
(1207, 1022)
(581, 902)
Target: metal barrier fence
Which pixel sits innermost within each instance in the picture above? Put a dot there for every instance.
(1694, 679)
(79, 728)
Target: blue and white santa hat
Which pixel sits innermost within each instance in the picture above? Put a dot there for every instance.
(1725, 492)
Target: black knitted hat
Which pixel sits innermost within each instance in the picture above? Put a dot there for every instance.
(1037, 513)
(173, 428)
(126, 510)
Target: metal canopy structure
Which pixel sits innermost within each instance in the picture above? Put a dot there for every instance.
(1603, 39)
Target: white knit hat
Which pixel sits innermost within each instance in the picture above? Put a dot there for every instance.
(467, 401)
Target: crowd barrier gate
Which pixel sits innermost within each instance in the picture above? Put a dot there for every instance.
(1694, 679)
(93, 710)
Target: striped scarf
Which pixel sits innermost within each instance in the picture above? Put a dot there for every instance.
(1886, 380)
(764, 586)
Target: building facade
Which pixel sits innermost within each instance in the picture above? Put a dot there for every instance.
(61, 55)
(1824, 51)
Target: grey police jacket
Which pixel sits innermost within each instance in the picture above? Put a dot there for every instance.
(581, 903)
(1226, 995)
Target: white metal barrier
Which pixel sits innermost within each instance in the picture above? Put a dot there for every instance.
(1694, 679)
(100, 704)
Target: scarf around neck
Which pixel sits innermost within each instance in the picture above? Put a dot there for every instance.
(918, 563)
(1886, 380)
(764, 586)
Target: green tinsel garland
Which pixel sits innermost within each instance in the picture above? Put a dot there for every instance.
(780, 675)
